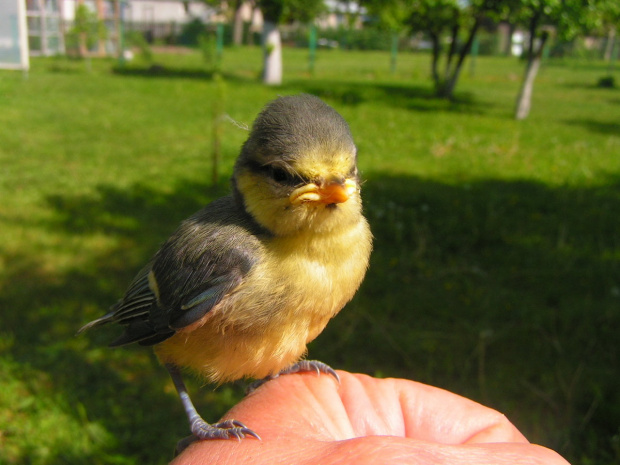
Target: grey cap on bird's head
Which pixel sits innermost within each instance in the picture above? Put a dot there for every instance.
(291, 126)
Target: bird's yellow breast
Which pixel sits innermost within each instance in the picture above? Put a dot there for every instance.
(300, 282)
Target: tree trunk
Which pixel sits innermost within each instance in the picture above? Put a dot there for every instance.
(100, 21)
(609, 47)
(454, 38)
(524, 100)
(435, 58)
(238, 24)
(507, 51)
(272, 49)
(82, 47)
(447, 90)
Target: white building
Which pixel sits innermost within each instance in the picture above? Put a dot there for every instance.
(50, 20)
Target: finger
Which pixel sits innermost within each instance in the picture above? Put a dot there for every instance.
(304, 404)
(371, 450)
(361, 406)
(310, 419)
(410, 409)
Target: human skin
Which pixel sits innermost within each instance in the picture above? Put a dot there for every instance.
(311, 419)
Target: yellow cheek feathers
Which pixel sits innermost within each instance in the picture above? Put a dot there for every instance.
(329, 193)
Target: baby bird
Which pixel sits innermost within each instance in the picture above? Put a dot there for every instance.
(246, 283)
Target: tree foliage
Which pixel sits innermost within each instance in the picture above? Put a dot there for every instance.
(610, 14)
(286, 11)
(452, 25)
(541, 18)
(87, 29)
(568, 18)
(456, 19)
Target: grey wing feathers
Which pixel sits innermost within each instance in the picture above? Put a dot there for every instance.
(135, 303)
(203, 261)
(137, 300)
(132, 310)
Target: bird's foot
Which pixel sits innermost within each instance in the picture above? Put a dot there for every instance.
(229, 429)
(254, 385)
(299, 367)
(311, 366)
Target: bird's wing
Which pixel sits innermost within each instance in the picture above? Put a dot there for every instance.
(137, 300)
(149, 321)
(134, 305)
(202, 262)
(189, 292)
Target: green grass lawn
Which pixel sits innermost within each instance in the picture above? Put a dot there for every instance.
(495, 274)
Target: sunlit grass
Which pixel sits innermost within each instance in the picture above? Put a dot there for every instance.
(496, 270)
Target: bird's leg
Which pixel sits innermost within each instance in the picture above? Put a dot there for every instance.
(300, 367)
(228, 429)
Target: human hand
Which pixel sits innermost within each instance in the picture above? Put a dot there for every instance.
(310, 419)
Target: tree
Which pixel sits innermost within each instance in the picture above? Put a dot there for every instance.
(87, 29)
(238, 22)
(462, 19)
(610, 12)
(565, 18)
(437, 18)
(352, 12)
(241, 8)
(276, 12)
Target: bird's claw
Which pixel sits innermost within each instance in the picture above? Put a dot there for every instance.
(235, 429)
(229, 429)
(309, 366)
(302, 366)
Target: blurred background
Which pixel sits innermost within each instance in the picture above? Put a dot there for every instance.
(489, 141)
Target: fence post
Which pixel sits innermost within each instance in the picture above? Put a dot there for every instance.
(311, 48)
(394, 52)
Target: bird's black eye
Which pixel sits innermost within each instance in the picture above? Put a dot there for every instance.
(279, 175)
(283, 176)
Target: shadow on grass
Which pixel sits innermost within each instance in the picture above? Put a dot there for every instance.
(162, 71)
(415, 98)
(589, 65)
(506, 292)
(122, 392)
(601, 127)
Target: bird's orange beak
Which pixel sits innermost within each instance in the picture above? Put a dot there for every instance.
(329, 193)
(334, 192)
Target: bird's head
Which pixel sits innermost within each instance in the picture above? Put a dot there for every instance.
(297, 171)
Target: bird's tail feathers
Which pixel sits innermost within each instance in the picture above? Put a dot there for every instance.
(99, 321)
